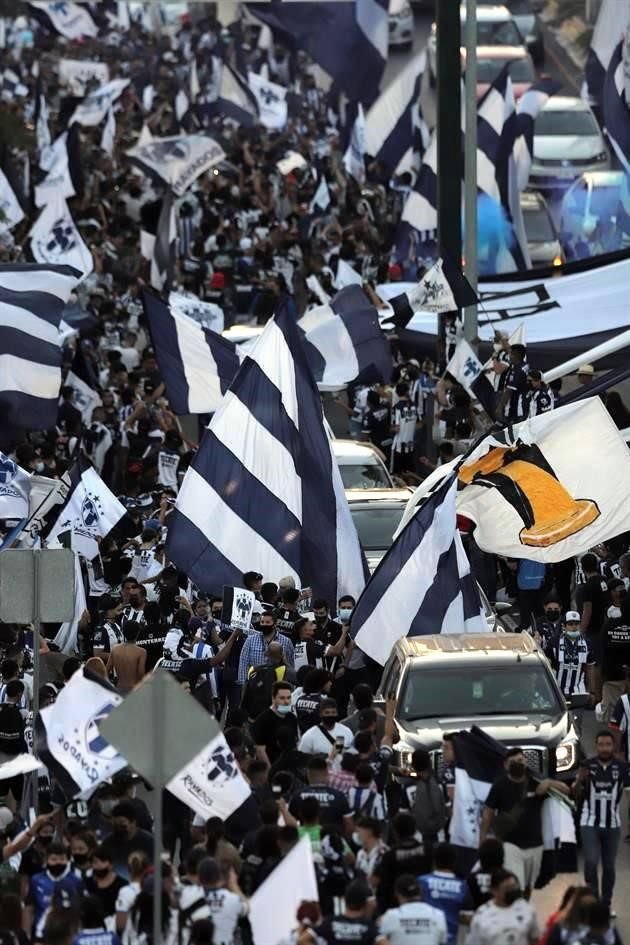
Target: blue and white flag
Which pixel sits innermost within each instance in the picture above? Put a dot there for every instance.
(32, 299)
(55, 238)
(615, 105)
(235, 99)
(612, 20)
(90, 510)
(176, 161)
(393, 121)
(58, 181)
(211, 783)
(271, 99)
(15, 489)
(95, 106)
(344, 341)
(164, 246)
(442, 289)
(263, 491)
(67, 736)
(354, 158)
(197, 364)
(11, 212)
(468, 371)
(423, 584)
(71, 20)
(11, 86)
(348, 40)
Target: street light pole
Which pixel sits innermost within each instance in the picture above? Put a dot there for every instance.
(449, 141)
(470, 166)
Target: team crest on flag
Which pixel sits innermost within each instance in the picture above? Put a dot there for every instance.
(211, 784)
(15, 488)
(177, 161)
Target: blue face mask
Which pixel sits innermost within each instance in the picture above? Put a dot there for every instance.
(573, 633)
(283, 709)
(345, 613)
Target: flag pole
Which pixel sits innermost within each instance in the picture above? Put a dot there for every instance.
(470, 167)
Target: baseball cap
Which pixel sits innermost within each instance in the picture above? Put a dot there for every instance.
(586, 369)
(572, 616)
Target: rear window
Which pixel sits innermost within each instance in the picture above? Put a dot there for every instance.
(376, 526)
(364, 476)
(550, 122)
(498, 34)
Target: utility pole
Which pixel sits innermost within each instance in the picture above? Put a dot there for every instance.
(470, 166)
(449, 132)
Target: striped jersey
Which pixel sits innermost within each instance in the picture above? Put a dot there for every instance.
(604, 789)
(570, 657)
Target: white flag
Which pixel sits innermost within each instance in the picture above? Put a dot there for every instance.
(70, 19)
(67, 636)
(346, 275)
(124, 21)
(178, 160)
(211, 784)
(238, 606)
(58, 181)
(273, 906)
(42, 132)
(109, 133)
(96, 105)
(15, 489)
(271, 100)
(354, 158)
(83, 397)
(182, 104)
(51, 154)
(11, 212)
(90, 511)
(206, 314)
(68, 740)
(78, 73)
(55, 238)
(194, 81)
(321, 197)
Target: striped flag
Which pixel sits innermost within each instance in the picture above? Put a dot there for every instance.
(235, 100)
(393, 121)
(442, 289)
(30, 352)
(615, 107)
(264, 492)
(612, 19)
(423, 584)
(165, 246)
(197, 364)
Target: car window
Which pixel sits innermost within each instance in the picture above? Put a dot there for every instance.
(364, 476)
(466, 692)
(498, 34)
(376, 526)
(538, 226)
(550, 122)
(520, 69)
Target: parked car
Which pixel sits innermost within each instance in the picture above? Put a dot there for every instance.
(400, 24)
(567, 143)
(595, 215)
(361, 466)
(495, 27)
(492, 59)
(529, 26)
(500, 682)
(376, 514)
(543, 240)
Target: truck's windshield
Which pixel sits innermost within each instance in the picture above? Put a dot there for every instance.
(461, 692)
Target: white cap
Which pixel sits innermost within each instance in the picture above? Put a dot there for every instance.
(572, 616)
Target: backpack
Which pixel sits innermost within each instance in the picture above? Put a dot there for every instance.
(429, 807)
(257, 691)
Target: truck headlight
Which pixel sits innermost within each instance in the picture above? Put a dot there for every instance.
(565, 756)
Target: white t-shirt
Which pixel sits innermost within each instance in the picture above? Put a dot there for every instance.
(496, 925)
(127, 896)
(414, 923)
(314, 742)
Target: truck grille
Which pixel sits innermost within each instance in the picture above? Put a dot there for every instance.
(537, 760)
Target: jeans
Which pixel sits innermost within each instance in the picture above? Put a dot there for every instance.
(600, 843)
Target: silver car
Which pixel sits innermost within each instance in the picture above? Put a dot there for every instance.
(567, 143)
(543, 241)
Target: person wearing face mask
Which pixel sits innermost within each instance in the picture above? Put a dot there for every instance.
(82, 846)
(126, 837)
(507, 917)
(326, 629)
(256, 644)
(571, 656)
(513, 812)
(278, 715)
(328, 734)
(549, 625)
(55, 880)
(104, 883)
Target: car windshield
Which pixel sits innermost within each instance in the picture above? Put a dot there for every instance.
(376, 526)
(550, 122)
(520, 69)
(466, 692)
(364, 476)
(498, 34)
(538, 226)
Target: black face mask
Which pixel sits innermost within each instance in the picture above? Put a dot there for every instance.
(120, 831)
(101, 873)
(329, 721)
(45, 839)
(81, 860)
(56, 869)
(517, 769)
(511, 895)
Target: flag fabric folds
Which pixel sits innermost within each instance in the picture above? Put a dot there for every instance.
(197, 364)
(164, 246)
(15, 489)
(264, 491)
(478, 761)
(176, 161)
(611, 20)
(468, 371)
(211, 783)
(348, 40)
(279, 896)
(235, 99)
(615, 107)
(95, 106)
(442, 289)
(394, 128)
(68, 740)
(90, 510)
(55, 238)
(423, 584)
(30, 352)
(11, 212)
(271, 100)
(71, 20)
(545, 489)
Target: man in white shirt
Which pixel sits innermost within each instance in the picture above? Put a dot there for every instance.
(507, 917)
(211, 899)
(321, 739)
(413, 922)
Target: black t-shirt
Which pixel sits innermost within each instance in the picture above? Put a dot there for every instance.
(479, 885)
(307, 710)
(11, 730)
(333, 804)
(506, 794)
(616, 649)
(154, 647)
(592, 592)
(107, 896)
(285, 619)
(375, 424)
(266, 727)
(340, 930)
(410, 856)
